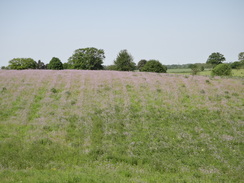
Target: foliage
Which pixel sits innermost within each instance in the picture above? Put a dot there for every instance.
(185, 66)
(87, 59)
(4, 68)
(215, 59)
(111, 67)
(236, 65)
(241, 56)
(22, 63)
(67, 66)
(124, 61)
(222, 70)
(154, 66)
(55, 64)
(141, 64)
(40, 65)
(195, 68)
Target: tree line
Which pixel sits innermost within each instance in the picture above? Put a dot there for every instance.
(92, 59)
(89, 59)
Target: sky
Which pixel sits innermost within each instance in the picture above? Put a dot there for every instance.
(171, 31)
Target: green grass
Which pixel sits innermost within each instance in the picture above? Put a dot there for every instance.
(107, 126)
(206, 72)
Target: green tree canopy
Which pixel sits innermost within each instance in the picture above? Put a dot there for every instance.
(87, 59)
(67, 66)
(215, 59)
(55, 64)
(241, 56)
(124, 61)
(22, 63)
(140, 64)
(111, 67)
(40, 65)
(222, 70)
(154, 66)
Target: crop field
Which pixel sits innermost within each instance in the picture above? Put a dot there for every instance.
(110, 126)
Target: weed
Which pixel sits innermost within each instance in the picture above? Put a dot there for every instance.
(148, 128)
(54, 90)
(73, 102)
(235, 94)
(202, 91)
(68, 93)
(4, 89)
(207, 81)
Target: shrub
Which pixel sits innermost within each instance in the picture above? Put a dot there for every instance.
(221, 70)
(236, 65)
(154, 66)
(195, 69)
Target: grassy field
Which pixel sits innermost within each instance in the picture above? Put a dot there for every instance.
(206, 72)
(109, 126)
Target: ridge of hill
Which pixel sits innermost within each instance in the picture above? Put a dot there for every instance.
(110, 126)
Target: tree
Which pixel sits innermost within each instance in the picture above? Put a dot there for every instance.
(241, 56)
(154, 66)
(195, 68)
(140, 64)
(215, 59)
(87, 59)
(111, 67)
(124, 61)
(235, 65)
(4, 68)
(222, 70)
(22, 63)
(40, 65)
(67, 66)
(55, 64)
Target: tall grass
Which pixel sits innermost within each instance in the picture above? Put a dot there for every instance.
(109, 126)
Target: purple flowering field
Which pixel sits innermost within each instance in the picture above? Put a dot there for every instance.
(111, 126)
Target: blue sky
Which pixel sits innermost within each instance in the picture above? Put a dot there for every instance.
(171, 31)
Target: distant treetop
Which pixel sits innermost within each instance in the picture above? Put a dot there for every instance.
(154, 66)
(215, 59)
(22, 63)
(87, 59)
(124, 61)
(55, 64)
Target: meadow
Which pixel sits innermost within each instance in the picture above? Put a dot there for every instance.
(206, 72)
(110, 126)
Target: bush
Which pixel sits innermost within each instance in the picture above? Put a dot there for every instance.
(154, 66)
(221, 70)
(235, 65)
(195, 69)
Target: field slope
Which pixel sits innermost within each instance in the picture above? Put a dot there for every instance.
(109, 126)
